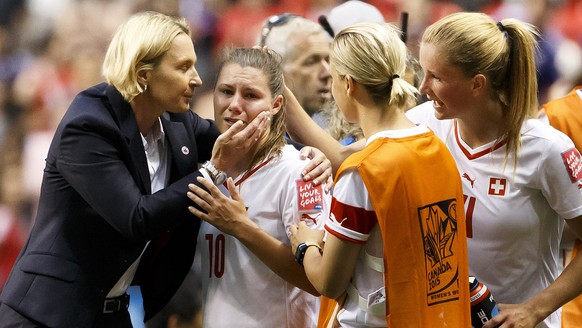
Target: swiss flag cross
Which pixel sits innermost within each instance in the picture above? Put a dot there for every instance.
(497, 186)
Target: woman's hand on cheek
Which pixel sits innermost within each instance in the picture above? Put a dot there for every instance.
(237, 141)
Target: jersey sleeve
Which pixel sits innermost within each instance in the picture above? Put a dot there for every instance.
(424, 114)
(352, 216)
(302, 200)
(561, 178)
(421, 114)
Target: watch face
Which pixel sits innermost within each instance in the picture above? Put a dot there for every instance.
(220, 178)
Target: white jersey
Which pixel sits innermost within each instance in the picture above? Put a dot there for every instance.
(514, 215)
(238, 289)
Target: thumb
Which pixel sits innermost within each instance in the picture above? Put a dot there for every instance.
(306, 152)
(232, 189)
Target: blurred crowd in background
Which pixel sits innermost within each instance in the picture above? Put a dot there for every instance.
(52, 49)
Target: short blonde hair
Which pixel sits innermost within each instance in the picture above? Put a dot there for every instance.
(374, 56)
(137, 46)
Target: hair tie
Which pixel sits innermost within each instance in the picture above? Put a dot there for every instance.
(395, 76)
(502, 28)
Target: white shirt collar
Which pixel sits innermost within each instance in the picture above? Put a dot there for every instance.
(401, 133)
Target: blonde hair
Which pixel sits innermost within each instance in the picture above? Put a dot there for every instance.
(268, 62)
(137, 46)
(374, 56)
(337, 125)
(504, 52)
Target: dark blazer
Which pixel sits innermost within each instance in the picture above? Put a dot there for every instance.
(96, 213)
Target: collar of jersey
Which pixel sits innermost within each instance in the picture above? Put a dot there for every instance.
(495, 145)
(251, 172)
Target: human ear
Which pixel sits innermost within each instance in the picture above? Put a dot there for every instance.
(277, 105)
(350, 85)
(142, 76)
(479, 82)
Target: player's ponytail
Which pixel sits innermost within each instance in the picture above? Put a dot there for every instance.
(374, 56)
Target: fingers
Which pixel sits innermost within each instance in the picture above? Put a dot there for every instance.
(250, 133)
(239, 133)
(318, 168)
(306, 152)
(234, 129)
(198, 201)
(204, 199)
(198, 213)
(503, 318)
(234, 194)
(237, 140)
(495, 322)
(319, 173)
(255, 129)
(312, 169)
(206, 195)
(328, 184)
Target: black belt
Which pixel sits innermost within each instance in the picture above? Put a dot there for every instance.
(116, 304)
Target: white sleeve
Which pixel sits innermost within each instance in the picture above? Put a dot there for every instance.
(542, 116)
(424, 114)
(421, 114)
(561, 178)
(304, 201)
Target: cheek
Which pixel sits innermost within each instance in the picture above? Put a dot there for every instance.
(219, 105)
(336, 92)
(310, 75)
(451, 95)
(253, 110)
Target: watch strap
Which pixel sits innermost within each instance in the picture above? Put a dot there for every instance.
(218, 177)
(302, 249)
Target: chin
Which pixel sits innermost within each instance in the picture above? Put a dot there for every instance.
(442, 115)
(222, 127)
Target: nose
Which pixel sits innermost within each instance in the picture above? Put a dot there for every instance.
(235, 105)
(424, 86)
(195, 80)
(325, 71)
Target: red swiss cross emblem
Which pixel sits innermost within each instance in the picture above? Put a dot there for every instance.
(497, 186)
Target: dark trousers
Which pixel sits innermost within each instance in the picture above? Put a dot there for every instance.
(12, 319)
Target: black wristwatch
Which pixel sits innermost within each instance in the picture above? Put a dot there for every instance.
(302, 248)
(218, 177)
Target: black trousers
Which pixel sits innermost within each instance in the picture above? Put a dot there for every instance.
(9, 318)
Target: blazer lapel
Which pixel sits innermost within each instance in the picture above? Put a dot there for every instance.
(141, 163)
(123, 114)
